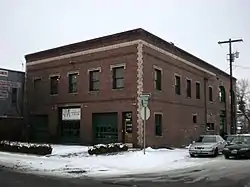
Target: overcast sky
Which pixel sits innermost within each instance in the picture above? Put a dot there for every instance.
(28, 26)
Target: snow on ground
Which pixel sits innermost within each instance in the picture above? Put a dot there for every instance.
(74, 160)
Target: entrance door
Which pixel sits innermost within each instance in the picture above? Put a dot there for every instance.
(127, 127)
(104, 128)
(223, 129)
(69, 127)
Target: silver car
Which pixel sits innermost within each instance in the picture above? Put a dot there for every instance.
(210, 145)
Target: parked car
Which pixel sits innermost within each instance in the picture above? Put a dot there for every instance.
(210, 145)
(238, 147)
(229, 138)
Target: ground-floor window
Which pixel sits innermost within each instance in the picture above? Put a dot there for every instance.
(210, 126)
(158, 124)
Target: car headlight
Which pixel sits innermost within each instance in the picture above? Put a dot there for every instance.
(244, 149)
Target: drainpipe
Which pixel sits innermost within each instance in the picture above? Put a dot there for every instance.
(205, 101)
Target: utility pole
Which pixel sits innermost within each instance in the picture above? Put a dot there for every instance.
(232, 56)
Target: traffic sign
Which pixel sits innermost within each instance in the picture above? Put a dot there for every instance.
(147, 113)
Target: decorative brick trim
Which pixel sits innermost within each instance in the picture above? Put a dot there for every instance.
(120, 45)
(139, 92)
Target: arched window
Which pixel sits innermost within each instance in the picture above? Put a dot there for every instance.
(222, 94)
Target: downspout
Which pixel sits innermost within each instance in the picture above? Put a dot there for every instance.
(205, 102)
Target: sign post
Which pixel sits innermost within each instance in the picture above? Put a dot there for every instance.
(145, 114)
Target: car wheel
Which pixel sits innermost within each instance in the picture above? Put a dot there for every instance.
(226, 156)
(192, 155)
(216, 152)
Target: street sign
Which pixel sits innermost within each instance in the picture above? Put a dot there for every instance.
(147, 113)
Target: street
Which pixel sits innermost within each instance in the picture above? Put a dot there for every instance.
(228, 173)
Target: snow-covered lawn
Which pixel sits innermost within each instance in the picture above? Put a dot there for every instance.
(75, 160)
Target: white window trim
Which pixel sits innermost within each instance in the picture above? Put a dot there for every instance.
(54, 75)
(158, 68)
(37, 78)
(73, 72)
(117, 66)
(176, 75)
(94, 69)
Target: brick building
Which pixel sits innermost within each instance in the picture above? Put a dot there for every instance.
(88, 92)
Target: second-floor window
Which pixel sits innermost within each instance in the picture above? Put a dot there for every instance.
(189, 89)
(157, 73)
(210, 93)
(94, 80)
(73, 82)
(54, 82)
(198, 90)
(177, 85)
(118, 77)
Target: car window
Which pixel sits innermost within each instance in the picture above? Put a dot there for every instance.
(241, 139)
(207, 139)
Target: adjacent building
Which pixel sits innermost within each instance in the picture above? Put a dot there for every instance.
(11, 103)
(89, 92)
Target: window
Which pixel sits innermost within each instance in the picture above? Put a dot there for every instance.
(158, 124)
(54, 80)
(189, 89)
(94, 80)
(14, 96)
(210, 126)
(37, 83)
(177, 85)
(222, 94)
(118, 77)
(194, 118)
(210, 94)
(157, 79)
(73, 82)
(198, 90)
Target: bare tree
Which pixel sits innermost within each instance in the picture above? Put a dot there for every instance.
(243, 100)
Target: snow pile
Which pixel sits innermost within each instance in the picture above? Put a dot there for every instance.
(81, 163)
(23, 144)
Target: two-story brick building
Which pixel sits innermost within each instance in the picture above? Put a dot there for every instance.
(88, 92)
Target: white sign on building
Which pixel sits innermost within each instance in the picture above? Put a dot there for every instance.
(3, 73)
(71, 114)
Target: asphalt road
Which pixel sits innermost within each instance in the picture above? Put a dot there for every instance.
(228, 173)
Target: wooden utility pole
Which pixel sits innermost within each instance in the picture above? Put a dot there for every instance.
(231, 59)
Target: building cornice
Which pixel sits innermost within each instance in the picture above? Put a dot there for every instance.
(117, 46)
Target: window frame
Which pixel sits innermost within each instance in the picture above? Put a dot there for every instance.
(92, 81)
(71, 85)
(51, 85)
(175, 84)
(115, 78)
(188, 88)
(194, 116)
(212, 125)
(158, 126)
(157, 78)
(197, 92)
(210, 93)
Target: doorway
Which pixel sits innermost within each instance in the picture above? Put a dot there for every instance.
(127, 127)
